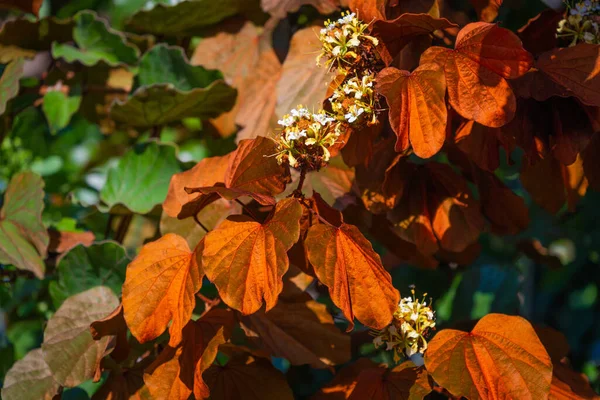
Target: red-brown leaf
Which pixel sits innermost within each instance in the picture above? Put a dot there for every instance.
(485, 55)
(418, 111)
(246, 259)
(539, 34)
(346, 263)
(570, 385)
(501, 357)
(481, 144)
(406, 381)
(487, 10)
(159, 287)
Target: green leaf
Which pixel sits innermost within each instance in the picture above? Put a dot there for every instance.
(29, 378)
(96, 42)
(69, 349)
(24, 38)
(9, 81)
(23, 237)
(141, 179)
(189, 18)
(166, 64)
(82, 268)
(59, 108)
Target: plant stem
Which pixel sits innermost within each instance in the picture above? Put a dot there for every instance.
(301, 182)
(200, 223)
(123, 227)
(246, 209)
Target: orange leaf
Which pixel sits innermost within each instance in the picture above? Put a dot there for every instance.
(62, 241)
(246, 259)
(289, 329)
(484, 56)
(397, 33)
(577, 69)
(159, 287)
(552, 184)
(245, 377)
(406, 381)
(209, 195)
(344, 381)
(417, 107)
(345, 261)
(177, 372)
(501, 357)
(487, 10)
(369, 10)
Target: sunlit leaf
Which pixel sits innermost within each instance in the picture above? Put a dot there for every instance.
(246, 260)
(406, 381)
(160, 287)
(484, 56)
(30, 378)
(69, 349)
(501, 357)
(24, 239)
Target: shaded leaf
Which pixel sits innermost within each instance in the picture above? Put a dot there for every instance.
(96, 42)
(23, 37)
(344, 260)
(332, 182)
(177, 372)
(570, 385)
(247, 378)
(82, 268)
(160, 287)
(369, 10)
(30, 378)
(487, 10)
(9, 81)
(344, 381)
(140, 180)
(280, 8)
(29, 6)
(69, 349)
(500, 357)
(482, 144)
(289, 329)
(128, 385)
(113, 325)
(24, 238)
(58, 108)
(539, 254)
(246, 260)
(406, 381)
(418, 111)
(484, 56)
(539, 34)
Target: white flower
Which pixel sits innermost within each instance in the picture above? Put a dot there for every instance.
(292, 160)
(330, 39)
(588, 37)
(286, 121)
(414, 316)
(390, 346)
(430, 315)
(378, 341)
(354, 42)
(323, 119)
(353, 116)
(292, 135)
(336, 50)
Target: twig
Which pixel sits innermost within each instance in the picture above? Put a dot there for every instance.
(301, 182)
(123, 227)
(246, 209)
(200, 223)
(108, 226)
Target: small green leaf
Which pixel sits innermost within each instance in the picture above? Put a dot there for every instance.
(9, 81)
(141, 179)
(189, 18)
(23, 237)
(83, 268)
(59, 108)
(96, 42)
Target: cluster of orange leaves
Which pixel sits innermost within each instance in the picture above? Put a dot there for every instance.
(493, 89)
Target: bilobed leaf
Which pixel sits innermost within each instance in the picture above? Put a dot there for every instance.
(69, 349)
(160, 286)
(82, 268)
(58, 108)
(552, 184)
(23, 237)
(245, 377)
(406, 381)
(418, 111)
(575, 69)
(289, 329)
(96, 42)
(484, 56)
(187, 18)
(501, 357)
(487, 10)
(30, 378)
(246, 260)
(482, 144)
(346, 263)
(397, 33)
(28, 6)
(177, 372)
(141, 179)
(9, 81)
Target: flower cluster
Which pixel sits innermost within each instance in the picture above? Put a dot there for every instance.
(305, 138)
(581, 23)
(355, 98)
(412, 321)
(344, 41)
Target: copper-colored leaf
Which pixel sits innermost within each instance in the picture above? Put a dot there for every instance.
(570, 385)
(177, 372)
(501, 357)
(369, 10)
(280, 8)
(406, 381)
(208, 195)
(397, 33)
(159, 287)
(113, 325)
(418, 111)
(539, 34)
(484, 56)
(577, 69)
(246, 259)
(344, 381)
(481, 144)
(552, 184)
(289, 331)
(346, 263)
(591, 162)
(487, 10)
(128, 385)
(62, 241)
(245, 377)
